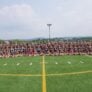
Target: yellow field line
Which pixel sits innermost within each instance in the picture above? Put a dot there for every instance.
(72, 73)
(43, 75)
(35, 75)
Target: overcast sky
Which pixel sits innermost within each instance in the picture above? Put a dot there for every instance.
(25, 19)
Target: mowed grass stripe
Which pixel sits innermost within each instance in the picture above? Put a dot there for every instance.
(72, 73)
(43, 75)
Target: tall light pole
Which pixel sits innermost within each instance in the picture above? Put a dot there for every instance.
(49, 25)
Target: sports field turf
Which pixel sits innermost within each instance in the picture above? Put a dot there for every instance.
(46, 74)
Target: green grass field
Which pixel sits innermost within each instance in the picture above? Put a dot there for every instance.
(62, 74)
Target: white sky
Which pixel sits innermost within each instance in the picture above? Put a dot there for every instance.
(26, 19)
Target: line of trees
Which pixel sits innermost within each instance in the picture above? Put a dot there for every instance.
(43, 40)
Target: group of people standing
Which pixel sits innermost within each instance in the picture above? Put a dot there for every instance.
(48, 48)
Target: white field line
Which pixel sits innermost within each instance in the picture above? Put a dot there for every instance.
(88, 56)
(18, 64)
(71, 73)
(31, 63)
(34, 75)
(39, 75)
(5, 64)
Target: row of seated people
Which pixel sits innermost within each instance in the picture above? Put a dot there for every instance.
(49, 48)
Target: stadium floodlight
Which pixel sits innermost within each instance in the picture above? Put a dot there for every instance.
(49, 25)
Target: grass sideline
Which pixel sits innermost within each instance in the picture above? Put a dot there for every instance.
(60, 73)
